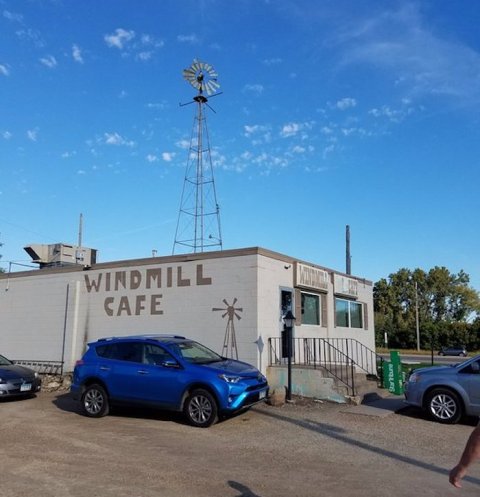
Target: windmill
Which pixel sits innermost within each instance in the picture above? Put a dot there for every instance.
(230, 341)
(198, 224)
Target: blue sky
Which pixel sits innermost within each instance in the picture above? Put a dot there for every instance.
(332, 113)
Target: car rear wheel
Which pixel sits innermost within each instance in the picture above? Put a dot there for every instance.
(201, 409)
(95, 401)
(444, 406)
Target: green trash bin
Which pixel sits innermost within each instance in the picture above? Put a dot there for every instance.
(393, 375)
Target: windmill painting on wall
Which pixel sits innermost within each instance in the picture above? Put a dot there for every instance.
(230, 341)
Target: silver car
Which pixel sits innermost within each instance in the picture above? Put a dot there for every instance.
(447, 393)
(17, 380)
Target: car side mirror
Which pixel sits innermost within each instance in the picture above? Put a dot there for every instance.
(170, 363)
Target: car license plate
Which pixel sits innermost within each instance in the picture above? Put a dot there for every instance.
(26, 387)
(262, 395)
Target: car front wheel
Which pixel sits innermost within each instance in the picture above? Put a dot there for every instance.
(95, 401)
(444, 406)
(201, 409)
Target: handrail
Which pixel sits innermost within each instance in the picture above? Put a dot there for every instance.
(317, 352)
(365, 358)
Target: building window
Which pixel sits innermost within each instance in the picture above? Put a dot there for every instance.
(310, 309)
(348, 314)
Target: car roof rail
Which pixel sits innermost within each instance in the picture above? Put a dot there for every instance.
(145, 335)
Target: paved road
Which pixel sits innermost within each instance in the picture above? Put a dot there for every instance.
(48, 449)
(440, 360)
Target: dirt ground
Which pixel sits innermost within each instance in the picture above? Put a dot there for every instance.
(48, 449)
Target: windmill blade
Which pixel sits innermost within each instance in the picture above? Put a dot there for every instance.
(225, 302)
(214, 83)
(196, 66)
(234, 301)
(238, 316)
(217, 309)
(223, 315)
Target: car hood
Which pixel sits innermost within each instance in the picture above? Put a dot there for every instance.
(231, 366)
(437, 370)
(14, 371)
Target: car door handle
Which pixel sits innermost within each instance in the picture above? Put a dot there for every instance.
(142, 371)
(104, 368)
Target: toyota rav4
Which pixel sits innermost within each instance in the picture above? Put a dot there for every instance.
(165, 371)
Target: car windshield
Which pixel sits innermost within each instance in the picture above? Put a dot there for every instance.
(4, 361)
(195, 353)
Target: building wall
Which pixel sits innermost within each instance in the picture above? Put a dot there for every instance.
(215, 298)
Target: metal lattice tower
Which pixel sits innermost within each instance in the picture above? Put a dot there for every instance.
(198, 225)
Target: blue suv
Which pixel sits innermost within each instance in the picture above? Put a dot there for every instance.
(166, 371)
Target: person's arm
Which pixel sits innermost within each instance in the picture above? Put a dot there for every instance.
(470, 454)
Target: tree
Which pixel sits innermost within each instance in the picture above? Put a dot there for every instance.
(444, 301)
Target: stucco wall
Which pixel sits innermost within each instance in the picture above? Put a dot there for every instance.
(52, 314)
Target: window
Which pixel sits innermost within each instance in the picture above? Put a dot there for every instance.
(348, 314)
(310, 309)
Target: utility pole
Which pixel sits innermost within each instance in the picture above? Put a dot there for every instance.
(416, 317)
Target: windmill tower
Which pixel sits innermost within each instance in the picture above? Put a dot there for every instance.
(198, 225)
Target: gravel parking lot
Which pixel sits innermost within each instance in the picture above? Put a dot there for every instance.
(320, 449)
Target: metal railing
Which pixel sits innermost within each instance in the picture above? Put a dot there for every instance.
(316, 353)
(42, 367)
(365, 359)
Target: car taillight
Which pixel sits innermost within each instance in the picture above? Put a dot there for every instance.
(80, 362)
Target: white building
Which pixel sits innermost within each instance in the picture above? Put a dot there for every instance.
(232, 301)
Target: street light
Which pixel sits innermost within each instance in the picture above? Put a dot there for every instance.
(289, 320)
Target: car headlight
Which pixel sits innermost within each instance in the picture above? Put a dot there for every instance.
(414, 378)
(229, 378)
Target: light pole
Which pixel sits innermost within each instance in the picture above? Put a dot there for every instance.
(289, 320)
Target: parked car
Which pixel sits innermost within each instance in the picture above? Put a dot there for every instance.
(458, 350)
(447, 393)
(16, 380)
(166, 371)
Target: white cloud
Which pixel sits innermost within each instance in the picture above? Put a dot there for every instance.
(191, 38)
(256, 89)
(255, 128)
(49, 61)
(298, 149)
(32, 134)
(81, 172)
(118, 140)
(147, 55)
(183, 144)
(12, 16)
(157, 105)
(4, 70)
(67, 155)
(77, 54)
(119, 38)
(346, 103)
(272, 62)
(290, 129)
(401, 42)
(7, 135)
(293, 129)
(152, 158)
(393, 115)
(168, 156)
(151, 41)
